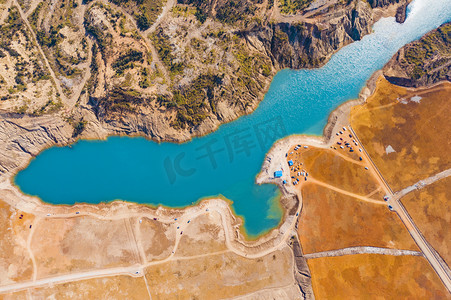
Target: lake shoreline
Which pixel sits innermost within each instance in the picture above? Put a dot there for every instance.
(257, 245)
(289, 201)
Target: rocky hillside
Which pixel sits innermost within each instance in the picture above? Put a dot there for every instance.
(165, 69)
(311, 43)
(423, 62)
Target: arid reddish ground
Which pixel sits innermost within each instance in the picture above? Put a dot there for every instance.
(373, 276)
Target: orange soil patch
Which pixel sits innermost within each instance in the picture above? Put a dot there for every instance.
(14, 296)
(118, 287)
(15, 262)
(326, 166)
(418, 132)
(220, 276)
(373, 276)
(431, 212)
(330, 221)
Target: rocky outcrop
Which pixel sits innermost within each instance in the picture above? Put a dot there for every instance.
(423, 62)
(306, 44)
(382, 3)
(401, 13)
(310, 45)
(23, 137)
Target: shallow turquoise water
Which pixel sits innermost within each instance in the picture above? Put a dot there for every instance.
(226, 161)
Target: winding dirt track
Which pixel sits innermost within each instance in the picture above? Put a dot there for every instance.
(338, 190)
(35, 41)
(32, 7)
(143, 34)
(167, 8)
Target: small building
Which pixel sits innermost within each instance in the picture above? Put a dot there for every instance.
(278, 174)
(290, 162)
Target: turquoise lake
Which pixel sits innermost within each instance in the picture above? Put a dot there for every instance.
(225, 162)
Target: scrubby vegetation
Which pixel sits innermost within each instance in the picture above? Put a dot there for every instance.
(26, 69)
(49, 107)
(233, 11)
(78, 128)
(12, 25)
(293, 6)
(61, 40)
(34, 17)
(102, 36)
(228, 12)
(50, 38)
(194, 103)
(125, 61)
(434, 46)
(164, 49)
(427, 60)
(121, 101)
(145, 12)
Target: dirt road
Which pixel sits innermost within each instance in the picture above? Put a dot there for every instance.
(338, 190)
(35, 41)
(362, 250)
(422, 183)
(431, 255)
(135, 271)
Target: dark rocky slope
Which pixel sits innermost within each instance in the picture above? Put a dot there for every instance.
(423, 62)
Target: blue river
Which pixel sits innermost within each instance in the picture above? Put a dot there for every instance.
(225, 162)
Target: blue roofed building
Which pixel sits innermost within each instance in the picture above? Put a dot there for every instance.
(278, 174)
(290, 162)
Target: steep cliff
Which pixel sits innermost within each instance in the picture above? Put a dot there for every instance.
(423, 62)
(23, 137)
(310, 44)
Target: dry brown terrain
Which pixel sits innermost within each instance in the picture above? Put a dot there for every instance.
(330, 221)
(204, 233)
(95, 254)
(77, 244)
(151, 231)
(14, 296)
(419, 133)
(406, 133)
(431, 211)
(220, 276)
(343, 171)
(15, 262)
(371, 276)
